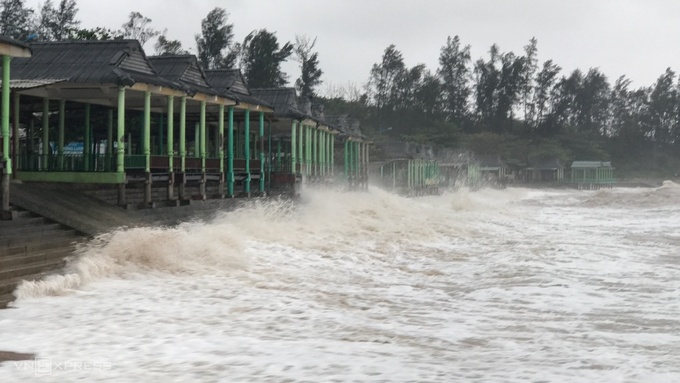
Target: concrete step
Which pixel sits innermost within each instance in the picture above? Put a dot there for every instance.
(37, 257)
(21, 222)
(45, 244)
(29, 238)
(30, 269)
(37, 229)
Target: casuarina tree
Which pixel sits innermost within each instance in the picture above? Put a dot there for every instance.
(214, 42)
(310, 76)
(262, 57)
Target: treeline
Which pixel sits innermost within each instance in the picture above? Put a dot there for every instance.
(510, 104)
(259, 55)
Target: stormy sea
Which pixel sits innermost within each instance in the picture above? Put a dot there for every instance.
(514, 285)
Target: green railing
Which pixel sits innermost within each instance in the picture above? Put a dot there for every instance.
(135, 161)
(66, 163)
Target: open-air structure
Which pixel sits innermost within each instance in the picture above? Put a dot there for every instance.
(9, 48)
(592, 174)
(69, 96)
(409, 169)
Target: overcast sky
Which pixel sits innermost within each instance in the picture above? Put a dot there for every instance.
(638, 38)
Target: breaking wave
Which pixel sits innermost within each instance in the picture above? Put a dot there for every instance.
(666, 194)
(322, 220)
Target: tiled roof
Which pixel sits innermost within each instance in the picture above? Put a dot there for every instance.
(231, 82)
(184, 70)
(284, 101)
(120, 62)
(591, 164)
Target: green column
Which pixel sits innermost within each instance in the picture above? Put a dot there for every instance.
(261, 152)
(346, 155)
(197, 140)
(333, 155)
(220, 137)
(246, 147)
(322, 152)
(161, 124)
(109, 137)
(16, 106)
(301, 144)
(183, 134)
(147, 132)
(60, 138)
(293, 147)
(171, 133)
(310, 165)
(45, 133)
(230, 153)
(202, 135)
(5, 124)
(87, 145)
(120, 132)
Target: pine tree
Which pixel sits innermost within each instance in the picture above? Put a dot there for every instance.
(262, 58)
(15, 19)
(216, 37)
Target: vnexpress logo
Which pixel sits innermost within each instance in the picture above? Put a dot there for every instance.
(47, 366)
(42, 366)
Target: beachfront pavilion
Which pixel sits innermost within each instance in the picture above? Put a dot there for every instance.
(243, 162)
(592, 174)
(9, 48)
(74, 89)
(354, 147)
(305, 144)
(248, 156)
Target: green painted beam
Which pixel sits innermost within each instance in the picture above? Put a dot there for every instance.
(73, 177)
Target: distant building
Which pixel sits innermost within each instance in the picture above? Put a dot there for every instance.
(592, 174)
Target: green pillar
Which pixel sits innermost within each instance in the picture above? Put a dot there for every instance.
(293, 147)
(109, 137)
(171, 133)
(310, 165)
(147, 132)
(197, 140)
(5, 126)
(120, 132)
(161, 124)
(301, 144)
(60, 138)
(202, 136)
(87, 145)
(262, 152)
(183, 134)
(230, 153)
(17, 99)
(346, 154)
(45, 133)
(220, 137)
(322, 152)
(333, 155)
(246, 147)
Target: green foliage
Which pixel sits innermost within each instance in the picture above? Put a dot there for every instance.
(58, 23)
(164, 46)
(215, 39)
(98, 33)
(262, 58)
(310, 76)
(15, 19)
(137, 28)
